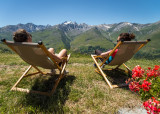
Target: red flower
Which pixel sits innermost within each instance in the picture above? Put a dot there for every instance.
(156, 67)
(152, 106)
(146, 85)
(153, 72)
(150, 73)
(134, 86)
(141, 81)
(137, 72)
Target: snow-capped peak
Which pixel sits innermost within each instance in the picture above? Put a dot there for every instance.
(67, 22)
(106, 26)
(121, 25)
(126, 23)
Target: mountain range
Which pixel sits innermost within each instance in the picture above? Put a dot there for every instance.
(84, 38)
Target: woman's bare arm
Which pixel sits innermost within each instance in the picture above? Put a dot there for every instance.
(105, 54)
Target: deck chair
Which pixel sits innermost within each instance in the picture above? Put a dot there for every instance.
(126, 50)
(36, 55)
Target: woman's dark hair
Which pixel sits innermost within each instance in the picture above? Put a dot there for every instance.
(21, 35)
(126, 36)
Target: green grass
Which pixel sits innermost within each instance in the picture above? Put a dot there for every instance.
(82, 91)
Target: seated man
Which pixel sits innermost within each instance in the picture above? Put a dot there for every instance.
(22, 35)
(122, 36)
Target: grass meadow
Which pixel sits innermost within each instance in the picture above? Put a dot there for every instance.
(81, 91)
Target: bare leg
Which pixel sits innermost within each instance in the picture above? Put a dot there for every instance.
(58, 57)
(51, 50)
(62, 53)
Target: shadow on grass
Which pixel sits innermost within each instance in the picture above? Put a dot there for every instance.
(54, 103)
(117, 76)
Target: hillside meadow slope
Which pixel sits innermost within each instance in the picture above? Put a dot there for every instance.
(81, 91)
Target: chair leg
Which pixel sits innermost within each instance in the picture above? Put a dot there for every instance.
(129, 71)
(126, 67)
(56, 84)
(61, 75)
(39, 71)
(26, 75)
(19, 80)
(102, 73)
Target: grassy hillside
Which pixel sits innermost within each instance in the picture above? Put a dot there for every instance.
(114, 35)
(4, 49)
(82, 91)
(152, 49)
(91, 40)
(6, 35)
(52, 38)
(94, 38)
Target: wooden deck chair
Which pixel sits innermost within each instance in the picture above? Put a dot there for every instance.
(126, 50)
(36, 55)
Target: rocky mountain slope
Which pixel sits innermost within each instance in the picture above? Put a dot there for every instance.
(85, 38)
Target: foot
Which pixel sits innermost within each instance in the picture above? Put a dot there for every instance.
(95, 65)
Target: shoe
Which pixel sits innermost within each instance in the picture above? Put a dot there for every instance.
(53, 71)
(95, 65)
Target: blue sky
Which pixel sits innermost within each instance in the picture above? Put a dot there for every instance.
(92, 12)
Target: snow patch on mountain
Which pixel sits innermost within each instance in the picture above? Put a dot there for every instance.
(67, 22)
(122, 25)
(104, 27)
(136, 28)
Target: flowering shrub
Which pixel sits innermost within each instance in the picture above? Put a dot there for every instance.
(147, 84)
(152, 106)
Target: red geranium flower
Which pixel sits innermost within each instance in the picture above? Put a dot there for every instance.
(134, 86)
(156, 67)
(146, 85)
(137, 72)
(153, 72)
(152, 106)
(142, 81)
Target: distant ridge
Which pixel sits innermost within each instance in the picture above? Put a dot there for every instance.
(30, 27)
(84, 38)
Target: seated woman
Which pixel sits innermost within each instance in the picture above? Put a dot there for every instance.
(122, 36)
(22, 35)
